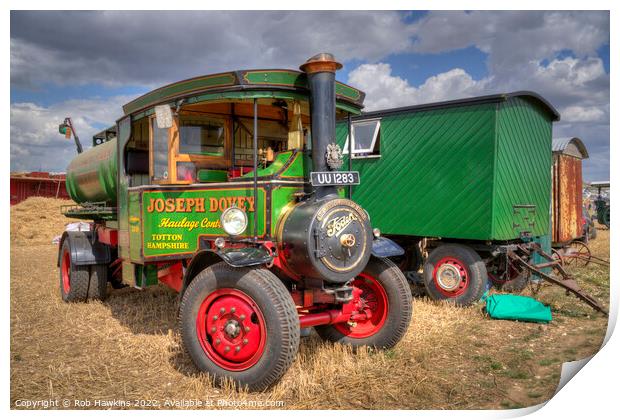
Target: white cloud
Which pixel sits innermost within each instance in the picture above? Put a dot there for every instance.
(35, 141)
(383, 90)
(572, 72)
(449, 85)
(577, 114)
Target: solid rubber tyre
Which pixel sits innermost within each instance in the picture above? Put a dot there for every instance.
(275, 315)
(471, 270)
(398, 313)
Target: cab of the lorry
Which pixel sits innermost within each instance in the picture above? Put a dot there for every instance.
(208, 134)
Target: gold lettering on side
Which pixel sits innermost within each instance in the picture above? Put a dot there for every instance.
(198, 205)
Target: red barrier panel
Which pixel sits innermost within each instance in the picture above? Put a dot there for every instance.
(37, 184)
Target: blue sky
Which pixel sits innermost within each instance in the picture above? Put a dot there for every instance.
(89, 69)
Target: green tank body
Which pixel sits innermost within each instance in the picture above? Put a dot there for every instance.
(91, 176)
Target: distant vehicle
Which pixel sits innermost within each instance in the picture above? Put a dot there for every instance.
(602, 205)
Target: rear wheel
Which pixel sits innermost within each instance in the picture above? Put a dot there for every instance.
(455, 273)
(239, 323)
(74, 279)
(411, 260)
(507, 277)
(98, 287)
(387, 300)
(516, 284)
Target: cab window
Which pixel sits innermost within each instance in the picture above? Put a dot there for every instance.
(160, 151)
(203, 136)
(272, 138)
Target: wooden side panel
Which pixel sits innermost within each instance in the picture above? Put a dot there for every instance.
(567, 199)
(522, 183)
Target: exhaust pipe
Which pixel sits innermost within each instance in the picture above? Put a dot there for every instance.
(321, 71)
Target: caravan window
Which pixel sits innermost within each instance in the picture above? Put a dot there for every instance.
(366, 139)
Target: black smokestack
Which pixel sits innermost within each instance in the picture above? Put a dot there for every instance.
(321, 71)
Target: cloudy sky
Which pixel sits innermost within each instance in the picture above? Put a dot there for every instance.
(89, 68)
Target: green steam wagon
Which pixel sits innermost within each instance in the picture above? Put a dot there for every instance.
(602, 205)
(227, 189)
(457, 184)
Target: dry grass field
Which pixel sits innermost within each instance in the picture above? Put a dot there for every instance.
(127, 349)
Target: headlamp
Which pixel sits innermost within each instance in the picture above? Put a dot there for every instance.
(234, 221)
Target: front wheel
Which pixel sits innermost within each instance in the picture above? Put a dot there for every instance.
(386, 294)
(241, 324)
(455, 273)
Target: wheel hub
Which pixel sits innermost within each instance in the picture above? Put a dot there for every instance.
(449, 277)
(371, 307)
(231, 329)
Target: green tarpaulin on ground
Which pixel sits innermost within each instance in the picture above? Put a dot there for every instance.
(517, 308)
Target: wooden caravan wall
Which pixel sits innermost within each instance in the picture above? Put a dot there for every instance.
(567, 198)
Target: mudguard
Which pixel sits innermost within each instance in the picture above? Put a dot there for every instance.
(384, 247)
(85, 249)
(245, 257)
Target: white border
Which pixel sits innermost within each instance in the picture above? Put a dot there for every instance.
(593, 394)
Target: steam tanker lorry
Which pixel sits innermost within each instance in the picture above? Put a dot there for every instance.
(229, 189)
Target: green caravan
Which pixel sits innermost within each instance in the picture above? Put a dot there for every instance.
(229, 189)
(460, 185)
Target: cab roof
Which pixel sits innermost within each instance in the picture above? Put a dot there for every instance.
(224, 85)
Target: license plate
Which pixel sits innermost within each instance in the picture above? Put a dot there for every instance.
(318, 179)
